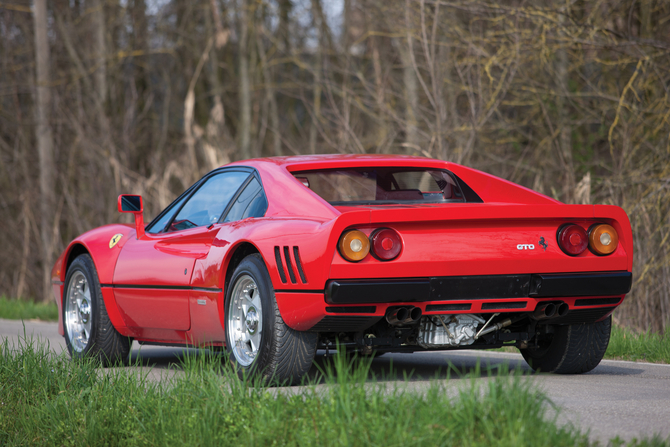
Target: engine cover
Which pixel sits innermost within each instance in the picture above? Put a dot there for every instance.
(440, 331)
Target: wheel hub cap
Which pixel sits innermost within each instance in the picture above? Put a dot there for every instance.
(77, 312)
(84, 311)
(244, 320)
(252, 320)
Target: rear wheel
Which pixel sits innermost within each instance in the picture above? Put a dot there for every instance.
(257, 339)
(571, 349)
(88, 330)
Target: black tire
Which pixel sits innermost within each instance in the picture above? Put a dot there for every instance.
(102, 342)
(573, 349)
(278, 353)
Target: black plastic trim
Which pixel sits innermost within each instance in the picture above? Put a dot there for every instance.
(479, 287)
(447, 307)
(597, 301)
(352, 310)
(508, 305)
(448, 288)
(581, 284)
(161, 287)
(319, 292)
(383, 291)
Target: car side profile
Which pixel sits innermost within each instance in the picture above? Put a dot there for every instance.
(275, 258)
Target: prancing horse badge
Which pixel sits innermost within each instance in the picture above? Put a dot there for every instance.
(115, 240)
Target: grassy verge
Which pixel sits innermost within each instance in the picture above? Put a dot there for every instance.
(48, 400)
(648, 347)
(27, 310)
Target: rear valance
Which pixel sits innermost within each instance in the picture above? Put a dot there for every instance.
(448, 288)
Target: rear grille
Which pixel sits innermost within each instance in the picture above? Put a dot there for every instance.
(447, 307)
(581, 316)
(352, 310)
(344, 324)
(596, 301)
(513, 305)
(289, 264)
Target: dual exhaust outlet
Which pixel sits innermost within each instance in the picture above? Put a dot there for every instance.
(397, 316)
(550, 310)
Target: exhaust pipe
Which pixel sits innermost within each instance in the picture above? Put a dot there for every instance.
(562, 310)
(544, 311)
(414, 315)
(397, 316)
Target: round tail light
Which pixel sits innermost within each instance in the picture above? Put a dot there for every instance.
(354, 245)
(386, 244)
(603, 239)
(572, 239)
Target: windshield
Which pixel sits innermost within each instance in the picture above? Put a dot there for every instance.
(374, 186)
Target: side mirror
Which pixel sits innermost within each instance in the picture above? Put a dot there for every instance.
(129, 203)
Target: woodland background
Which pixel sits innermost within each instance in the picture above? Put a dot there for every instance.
(101, 97)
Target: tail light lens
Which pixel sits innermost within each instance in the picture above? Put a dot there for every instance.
(386, 244)
(354, 245)
(603, 239)
(572, 239)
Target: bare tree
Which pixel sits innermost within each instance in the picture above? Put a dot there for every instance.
(45, 145)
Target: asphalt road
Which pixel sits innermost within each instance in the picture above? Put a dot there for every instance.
(625, 399)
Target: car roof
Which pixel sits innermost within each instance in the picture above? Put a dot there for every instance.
(325, 161)
(286, 189)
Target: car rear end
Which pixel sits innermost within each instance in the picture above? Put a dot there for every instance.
(428, 263)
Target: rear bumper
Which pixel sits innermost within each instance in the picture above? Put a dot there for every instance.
(455, 288)
(354, 305)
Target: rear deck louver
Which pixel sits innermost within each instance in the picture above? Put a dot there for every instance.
(286, 260)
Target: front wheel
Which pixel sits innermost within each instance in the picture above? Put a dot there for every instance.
(257, 339)
(88, 330)
(571, 349)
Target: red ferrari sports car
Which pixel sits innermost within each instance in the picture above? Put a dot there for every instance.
(275, 258)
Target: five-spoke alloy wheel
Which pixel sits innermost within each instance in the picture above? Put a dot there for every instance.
(245, 320)
(257, 339)
(88, 330)
(78, 311)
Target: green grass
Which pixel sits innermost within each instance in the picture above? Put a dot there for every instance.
(16, 309)
(647, 346)
(47, 400)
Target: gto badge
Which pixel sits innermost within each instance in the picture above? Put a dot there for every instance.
(115, 240)
(525, 247)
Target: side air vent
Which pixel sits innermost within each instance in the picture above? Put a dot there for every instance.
(280, 265)
(296, 255)
(290, 266)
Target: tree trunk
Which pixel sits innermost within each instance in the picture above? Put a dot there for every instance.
(244, 130)
(411, 92)
(565, 135)
(45, 145)
(99, 49)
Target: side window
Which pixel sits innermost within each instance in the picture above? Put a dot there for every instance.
(159, 225)
(206, 205)
(251, 203)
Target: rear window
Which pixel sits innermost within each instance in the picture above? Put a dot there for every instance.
(357, 186)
